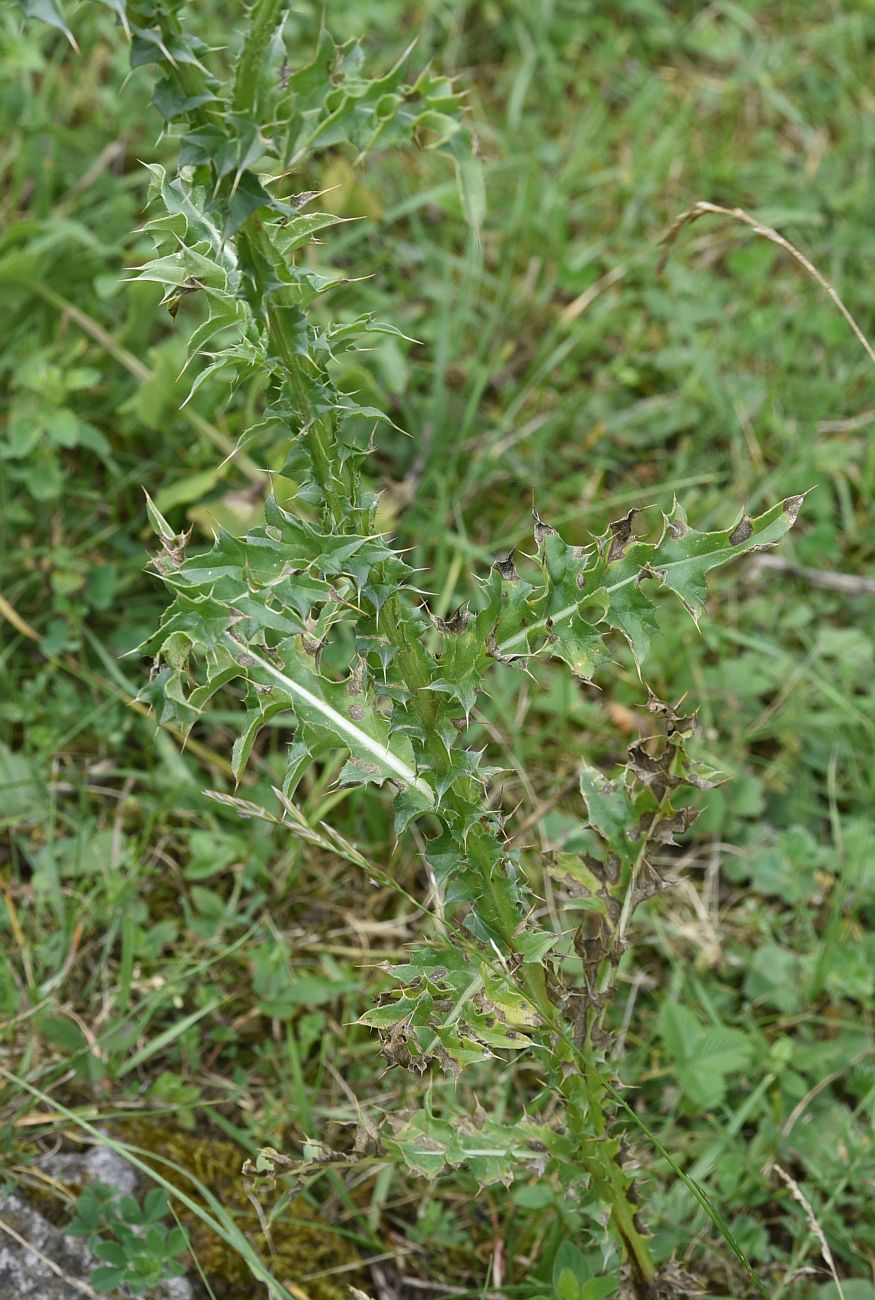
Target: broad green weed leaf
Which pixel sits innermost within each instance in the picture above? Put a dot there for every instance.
(570, 1270)
(599, 1287)
(703, 1057)
(22, 795)
(566, 1286)
(107, 1278)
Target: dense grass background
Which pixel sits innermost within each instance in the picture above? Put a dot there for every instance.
(159, 954)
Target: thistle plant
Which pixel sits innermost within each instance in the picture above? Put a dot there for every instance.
(316, 621)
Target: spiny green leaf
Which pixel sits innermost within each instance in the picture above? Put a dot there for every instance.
(606, 583)
(47, 11)
(158, 522)
(493, 1152)
(608, 806)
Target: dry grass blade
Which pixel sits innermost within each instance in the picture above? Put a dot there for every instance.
(584, 300)
(828, 1079)
(75, 1283)
(703, 209)
(12, 616)
(849, 584)
(798, 1195)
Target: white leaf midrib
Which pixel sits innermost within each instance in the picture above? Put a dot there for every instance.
(336, 720)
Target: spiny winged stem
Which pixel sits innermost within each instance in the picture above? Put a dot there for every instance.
(261, 614)
(417, 670)
(574, 1074)
(335, 478)
(264, 19)
(339, 490)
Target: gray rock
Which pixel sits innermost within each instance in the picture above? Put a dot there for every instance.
(26, 1271)
(97, 1165)
(22, 1272)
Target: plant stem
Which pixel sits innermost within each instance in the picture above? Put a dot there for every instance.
(319, 430)
(416, 667)
(483, 853)
(585, 1103)
(264, 18)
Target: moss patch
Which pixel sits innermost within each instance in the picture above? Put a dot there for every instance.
(300, 1245)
